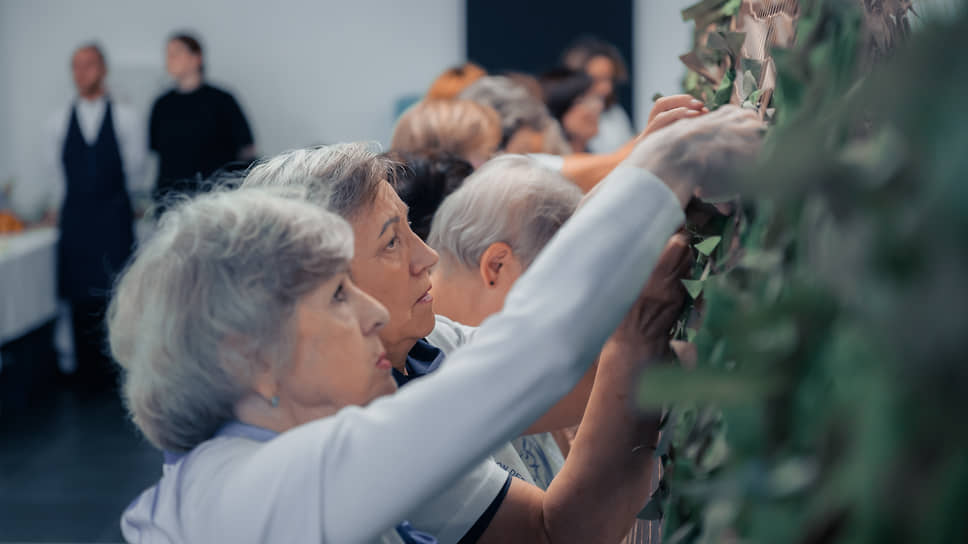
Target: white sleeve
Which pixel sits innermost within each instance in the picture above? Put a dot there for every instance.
(368, 468)
(448, 335)
(133, 146)
(449, 514)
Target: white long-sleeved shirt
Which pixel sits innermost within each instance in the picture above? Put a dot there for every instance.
(44, 187)
(535, 458)
(350, 477)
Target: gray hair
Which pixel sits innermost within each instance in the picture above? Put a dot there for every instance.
(510, 199)
(209, 298)
(517, 107)
(343, 178)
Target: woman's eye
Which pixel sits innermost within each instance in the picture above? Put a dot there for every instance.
(394, 242)
(340, 294)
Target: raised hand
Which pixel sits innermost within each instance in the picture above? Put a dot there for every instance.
(669, 109)
(696, 154)
(648, 322)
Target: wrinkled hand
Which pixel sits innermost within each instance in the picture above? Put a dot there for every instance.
(647, 324)
(669, 109)
(696, 154)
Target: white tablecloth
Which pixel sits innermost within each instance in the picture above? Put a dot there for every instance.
(28, 291)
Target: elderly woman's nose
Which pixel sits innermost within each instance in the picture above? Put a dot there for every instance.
(422, 258)
(373, 316)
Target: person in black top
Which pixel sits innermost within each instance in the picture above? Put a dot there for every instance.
(195, 128)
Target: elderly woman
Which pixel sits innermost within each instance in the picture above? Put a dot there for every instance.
(256, 374)
(488, 233)
(491, 229)
(528, 128)
(605, 480)
(467, 129)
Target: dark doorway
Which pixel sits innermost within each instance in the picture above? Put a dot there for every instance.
(529, 35)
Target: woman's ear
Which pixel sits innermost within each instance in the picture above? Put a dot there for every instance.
(493, 265)
(260, 375)
(265, 384)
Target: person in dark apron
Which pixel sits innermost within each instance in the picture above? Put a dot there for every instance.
(96, 239)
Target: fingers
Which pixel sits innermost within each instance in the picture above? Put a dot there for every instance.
(676, 251)
(667, 103)
(727, 118)
(735, 128)
(666, 118)
(734, 114)
(660, 302)
(674, 263)
(692, 153)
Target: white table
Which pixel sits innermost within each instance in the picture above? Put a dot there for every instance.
(28, 290)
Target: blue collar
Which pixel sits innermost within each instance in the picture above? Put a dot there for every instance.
(423, 359)
(244, 430)
(232, 428)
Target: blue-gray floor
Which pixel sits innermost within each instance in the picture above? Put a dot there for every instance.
(70, 461)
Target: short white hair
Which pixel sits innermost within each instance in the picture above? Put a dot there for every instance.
(510, 199)
(343, 178)
(208, 298)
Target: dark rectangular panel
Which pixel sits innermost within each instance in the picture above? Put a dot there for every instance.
(529, 35)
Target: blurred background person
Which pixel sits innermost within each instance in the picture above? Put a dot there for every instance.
(524, 117)
(464, 128)
(553, 139)
(423, 180)
(603, 62)
(195, 128)
(528, 128)
(95, 153)
(527, 81)
(572, 102)
(454, 80)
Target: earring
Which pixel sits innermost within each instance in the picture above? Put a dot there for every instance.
(274, 401)
(492, 283)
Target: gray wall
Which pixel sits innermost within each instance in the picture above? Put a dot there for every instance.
(660, 37)
(305, 71)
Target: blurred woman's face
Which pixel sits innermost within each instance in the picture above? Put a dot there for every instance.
(180, 61)
(338, 359)
(601, 70)
(581, 120)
